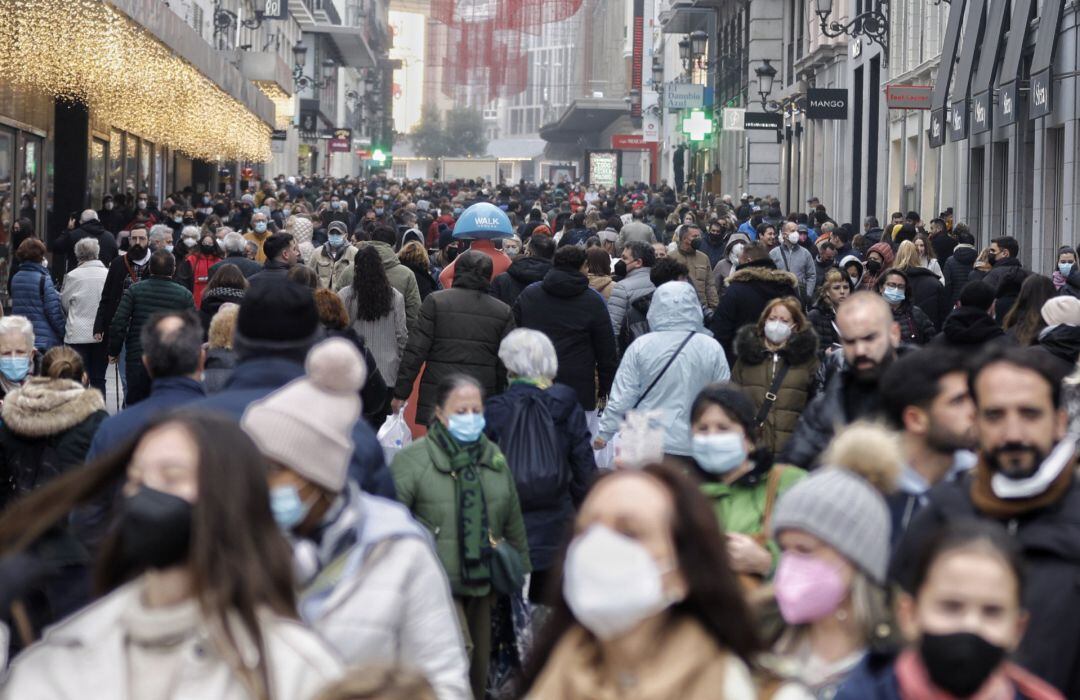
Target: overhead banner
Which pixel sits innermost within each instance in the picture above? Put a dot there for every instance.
(650, 127)
(1006, 104)
(822, 103)
(1040, 94)
(958, 122)
(341, 141)
(980, 113)
(734, 119)
(275, 9)
(937, 128)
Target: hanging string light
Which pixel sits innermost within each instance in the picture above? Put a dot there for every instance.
(87, 51)
(284, 105)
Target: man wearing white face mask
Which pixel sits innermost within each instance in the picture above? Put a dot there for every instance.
(733, 250)
(794, 258)
(331, 259)
(648, 600)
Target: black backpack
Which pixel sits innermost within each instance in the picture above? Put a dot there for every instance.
(531, 447)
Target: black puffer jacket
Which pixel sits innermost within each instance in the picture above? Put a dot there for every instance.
(1005, 278)
(508, 286)
(47, 428)
(915, 326)
(458, 330)
(957, 269)
(1049, 539)
(823, 318)
(107, 249)
(575, 317)
(425, 281)
(928, 294)
(1061, 341)
(750, 288)
(968, 328)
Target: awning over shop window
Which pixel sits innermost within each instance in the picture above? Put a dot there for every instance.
(982, 100)
(944, 75)
(90, 52)
(1043, 60)
(973, 32)
(1005, 111)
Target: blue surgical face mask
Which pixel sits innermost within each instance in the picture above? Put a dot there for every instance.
(335, 205)
(260, 227)
(894, 296)
(288, 508)
(168, 247)
(1065, 268)
(466, 427)
(336, 240)
(719, 453)
(16, 368)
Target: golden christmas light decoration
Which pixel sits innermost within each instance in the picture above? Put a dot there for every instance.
(88, 51)
(284, 107)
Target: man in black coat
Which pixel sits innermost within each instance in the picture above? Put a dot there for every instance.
(957, 269)
(755, 283)
(576, 319)
(971, 326)
(89, 227)
(127, 269)
(1003, 272)
(526, 269)
(871, 341)
(1026, 480)
(281, 254)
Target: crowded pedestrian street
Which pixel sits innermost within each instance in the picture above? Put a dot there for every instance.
(540, 349)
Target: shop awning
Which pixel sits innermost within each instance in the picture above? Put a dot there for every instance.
(584, 118)
(944, 74)
(138, 68)
(1005, 110)
(1042, 62)
(982, 100)
(973, 31)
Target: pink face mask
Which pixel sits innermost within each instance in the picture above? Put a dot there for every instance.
(807, 588)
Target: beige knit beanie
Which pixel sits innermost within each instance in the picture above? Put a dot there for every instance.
(307, 424)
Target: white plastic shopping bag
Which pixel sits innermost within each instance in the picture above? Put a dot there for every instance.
(641, 440)
(394, 435)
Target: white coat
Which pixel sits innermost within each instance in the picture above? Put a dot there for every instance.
(80, 298)
(83, 658)
(388, 600)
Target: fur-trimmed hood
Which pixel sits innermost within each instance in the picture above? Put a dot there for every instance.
(43, 406)
(800, 347)
(768, 275)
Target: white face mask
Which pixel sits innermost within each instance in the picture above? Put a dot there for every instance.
(793, 238)
(777, 331)
(611, 582)
(736, 253)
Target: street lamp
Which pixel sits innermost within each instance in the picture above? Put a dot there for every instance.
(699, 41)
(766, 74)
(303, 81)
(873, 24)
(657, 71)
(684, 49)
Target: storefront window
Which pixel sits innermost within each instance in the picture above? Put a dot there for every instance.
(29, 174)
(7, 184)
(116, 161)
(131, 166)
(98, 168)
(146, 183)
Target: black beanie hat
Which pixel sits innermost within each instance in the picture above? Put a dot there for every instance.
(277, 310)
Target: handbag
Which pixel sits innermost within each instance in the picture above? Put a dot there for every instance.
(507, 567)
(770, 395)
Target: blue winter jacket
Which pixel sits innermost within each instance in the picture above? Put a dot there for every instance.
(40, 303)
(255, 378)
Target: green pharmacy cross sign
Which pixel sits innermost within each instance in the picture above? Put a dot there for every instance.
(697, 126)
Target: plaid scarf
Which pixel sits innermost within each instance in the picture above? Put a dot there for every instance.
(473, 543)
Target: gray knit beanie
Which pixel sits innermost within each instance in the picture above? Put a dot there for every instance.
(307, 424)
(845, 512)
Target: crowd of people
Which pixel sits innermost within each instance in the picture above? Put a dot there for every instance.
(449, 440)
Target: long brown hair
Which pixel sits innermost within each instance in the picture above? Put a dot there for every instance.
(1025, 316)
(239, 561)
(713, 598)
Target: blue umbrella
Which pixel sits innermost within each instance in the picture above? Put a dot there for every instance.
(483, 221)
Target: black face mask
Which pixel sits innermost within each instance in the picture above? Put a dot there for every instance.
(155, 529)
(696, 244)
(451, 253)
(620, 268)
(991, 258)
(959, 663)
(207, 248)
(716, 238)
(873, 265)
(136, 252)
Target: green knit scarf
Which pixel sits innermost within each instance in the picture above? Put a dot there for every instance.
(473, 542)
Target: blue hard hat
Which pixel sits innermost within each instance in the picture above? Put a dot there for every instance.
(483, 221)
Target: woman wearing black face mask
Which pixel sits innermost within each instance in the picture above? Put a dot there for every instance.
(199, 597)
(965, 618)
